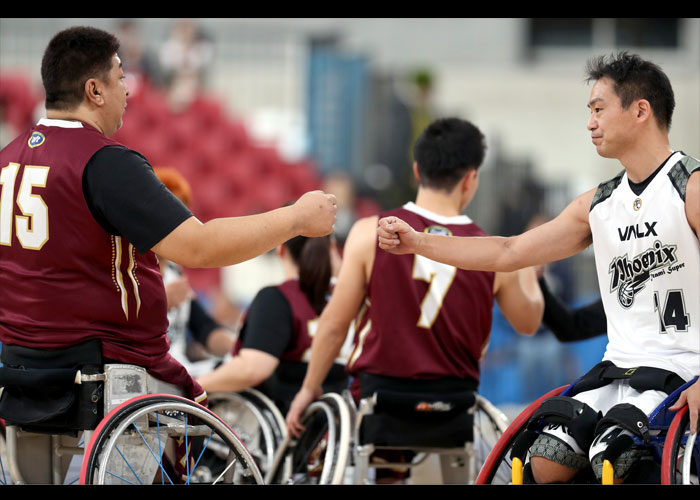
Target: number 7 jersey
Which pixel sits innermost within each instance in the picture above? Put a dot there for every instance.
(648, 264)
(422, 319)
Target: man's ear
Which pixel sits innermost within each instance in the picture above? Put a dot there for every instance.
(643, 110)
(93, 91)
(416, 175)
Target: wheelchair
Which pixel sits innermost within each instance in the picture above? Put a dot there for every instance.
(672, 446)
(458, 427)
(318, 456)
(135, 429)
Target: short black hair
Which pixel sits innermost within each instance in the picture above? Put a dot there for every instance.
(445, 150)
(71, 57)
(635, 78)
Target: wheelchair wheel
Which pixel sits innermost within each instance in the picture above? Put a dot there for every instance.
(680, 463)
(498, 465)
(138, 441)
(4, 471)
(320, 454)
(255, 420)
(489, 425)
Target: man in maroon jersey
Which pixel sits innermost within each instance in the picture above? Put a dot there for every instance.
(82, 215)
(419, 323)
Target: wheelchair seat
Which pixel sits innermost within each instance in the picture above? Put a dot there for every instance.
(442, 422)
(40, 393)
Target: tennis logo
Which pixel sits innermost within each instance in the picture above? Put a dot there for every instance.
(36, 140)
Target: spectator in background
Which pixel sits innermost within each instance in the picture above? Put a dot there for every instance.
(186, 51)
(193, 333)
(140, 65)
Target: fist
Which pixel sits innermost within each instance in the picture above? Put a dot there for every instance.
(395, 236)
(316, 212)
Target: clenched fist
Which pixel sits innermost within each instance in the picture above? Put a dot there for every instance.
(315, 213)
(396, 236)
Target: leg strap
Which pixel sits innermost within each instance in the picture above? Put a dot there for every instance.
(579, 418)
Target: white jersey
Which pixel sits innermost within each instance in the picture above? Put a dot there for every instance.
(648, 264)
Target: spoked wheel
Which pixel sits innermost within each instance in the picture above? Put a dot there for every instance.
(255, 420)
(489, 425)
(143, 441)
(321, 453)
(498, 465)
(680, 463)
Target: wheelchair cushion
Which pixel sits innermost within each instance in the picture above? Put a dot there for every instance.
(39, 391)
(421, 420)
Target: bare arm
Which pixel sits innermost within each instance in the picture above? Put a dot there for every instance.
(335, 320)
(231, 240)
(563, 236)
(248, 368)
(520, 299)
(220, 341)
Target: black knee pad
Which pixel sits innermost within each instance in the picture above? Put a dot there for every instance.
(579, 418)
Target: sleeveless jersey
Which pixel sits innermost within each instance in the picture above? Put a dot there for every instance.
(422, 319)
(63, 278)
(648, 264)
(304, 325)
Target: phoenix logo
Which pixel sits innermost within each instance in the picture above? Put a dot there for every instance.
(628, 277)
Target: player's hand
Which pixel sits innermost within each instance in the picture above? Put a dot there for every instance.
(178, 291)
(691, 397)
(395, 236)
(300, 402)
(315, 213)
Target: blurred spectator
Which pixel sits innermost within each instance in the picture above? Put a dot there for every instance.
(186, 51)
(140, 65)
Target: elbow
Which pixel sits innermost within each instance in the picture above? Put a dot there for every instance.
(530, 324)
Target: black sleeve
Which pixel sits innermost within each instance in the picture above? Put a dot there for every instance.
(268, 324)
(569, 325)
(200, 322)
(127, 198)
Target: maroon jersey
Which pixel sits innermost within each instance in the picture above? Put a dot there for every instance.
(63, 278)
(304, 320)
(423, 319)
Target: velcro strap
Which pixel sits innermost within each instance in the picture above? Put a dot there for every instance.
(628, 417)
(641, 378)
(50, 377)
(579, 418)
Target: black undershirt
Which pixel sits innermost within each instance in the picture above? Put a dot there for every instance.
(127, 199)
(638, 187)
(268, 324)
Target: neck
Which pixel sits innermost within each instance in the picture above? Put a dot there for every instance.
(439, 202)
(642, 160)
(78, 115)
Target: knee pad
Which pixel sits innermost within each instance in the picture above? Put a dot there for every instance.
(579, 419)
(614, 439)
(553, 449)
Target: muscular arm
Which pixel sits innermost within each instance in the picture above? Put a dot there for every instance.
(231, 240)
(520, 299)
(335, 320)
(563, 236)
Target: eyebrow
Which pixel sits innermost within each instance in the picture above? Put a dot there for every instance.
(593, 101)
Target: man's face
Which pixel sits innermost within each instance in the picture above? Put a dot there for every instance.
(115, 94)
(611, 126)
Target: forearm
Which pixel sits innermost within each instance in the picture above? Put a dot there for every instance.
(234, 376)
(492, 253)
(220, 342)
(229, 241)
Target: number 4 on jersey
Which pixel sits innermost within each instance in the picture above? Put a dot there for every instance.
(673, 314)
